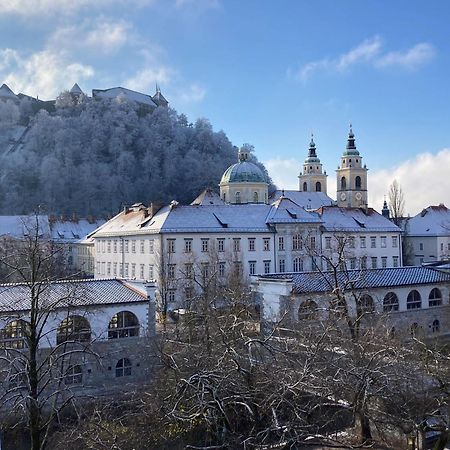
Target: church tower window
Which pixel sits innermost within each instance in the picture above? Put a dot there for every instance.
(318, 186)
(343, 183)
(305, 187)
(358, 182)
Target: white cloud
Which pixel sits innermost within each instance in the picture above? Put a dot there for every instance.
(370, 52)
(191, 94)
(413, 58)
(424, 180)
(44, 73)
(284, 172)
(144, 80)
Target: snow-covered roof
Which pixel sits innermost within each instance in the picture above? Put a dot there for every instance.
(356, 220)
(76, 89)
(73, 231)
(208, 197)
(20, 226)
(432, 221)
(7, 93)
(309, 282)
(307, 200)
(284, 210)
(77, 293)
(127, 93)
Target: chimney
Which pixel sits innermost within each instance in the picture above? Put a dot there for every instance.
(74, 217)
(154, 208)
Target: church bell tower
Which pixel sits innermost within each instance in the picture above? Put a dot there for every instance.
(312, 179)
(351, 177)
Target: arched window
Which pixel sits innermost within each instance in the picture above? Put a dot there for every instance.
(308, 310)
(123, 368)
(436, 326)
(238, 197)
(413, 301)
(123, 324)
(366, 304)
(255, 197)
(358, 182)
(74, 375)
(73, 328)
(318, 186)
(297, 265)
(390, 302)
(414, 329)
(435, 297)
(343, 183)
(224, 196)
(296, 242)
(305, 187)
(14, 334)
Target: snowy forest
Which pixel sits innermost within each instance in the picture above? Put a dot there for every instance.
(92, 157)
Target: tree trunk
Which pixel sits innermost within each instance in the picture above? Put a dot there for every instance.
(365, 433)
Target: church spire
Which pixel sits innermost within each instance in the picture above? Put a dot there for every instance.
(351, 146)
(312, 148)
(385, 210)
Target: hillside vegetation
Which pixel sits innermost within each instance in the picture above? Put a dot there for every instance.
(95, 156)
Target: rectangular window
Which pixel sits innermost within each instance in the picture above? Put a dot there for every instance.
(126, 270)
(384, 262)
(266, 244)
(108, 246)
(282, 265)
(237, 268)
(171, 245)
(395, 261)
(151, 246)
(362, 242)
(121, 246)
(352, 263)
(442, 246)
(189, 292)
(221, 269)
(188, 270)
(141, 271)
(373, 242)
(421, 246)
(103, 246)
(236, 245)
(121, 270)
(251, 244)
(150, 272)
(103, 268)
(266, 266)
(171, 295)
(374, 260)
(98, 267)
(133, 270)
(187, 245)
(351, 242)
(312, 241)
(108, 268)
(205, 270)
(142, 246)
(115, 269)
(364, 262)
(115, 246)
(297, 242)
(394, 241)
(252, 267)
(281, 243)
(329, 265)
(126, 245)
(328, 242)
(383, 241)
(171, 271)
(205, 245)
(133, 246)
(221, 245)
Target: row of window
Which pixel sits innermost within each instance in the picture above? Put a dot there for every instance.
(238, 199)
(350, 242)
(72, 329)
(125, 246)
(363, 262)
(127, 270)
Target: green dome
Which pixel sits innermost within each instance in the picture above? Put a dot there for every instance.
(243, 172)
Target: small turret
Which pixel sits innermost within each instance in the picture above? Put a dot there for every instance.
(385, 210)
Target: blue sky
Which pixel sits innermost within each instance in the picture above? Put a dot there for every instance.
(266, 72)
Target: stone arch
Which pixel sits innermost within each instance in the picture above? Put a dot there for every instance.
(14, 334)
(414, 300)
(123, 368)
(318, 186)
(358, 182)
(435, 297)
(343, 183)
(305, 186)
(435, 326)
(390, 302)
(365, 304)
(73, 328)
(308, 310)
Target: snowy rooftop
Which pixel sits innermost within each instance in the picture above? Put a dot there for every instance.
(355, 220)
(127, 93)
(7, 93)
(284, 210)
(16, 297)
(20, 226)
(432, 221)
(208, 197)
(76, 230)
(307, 200)
(309, 282)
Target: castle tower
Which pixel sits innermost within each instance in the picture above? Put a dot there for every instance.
(351, 177)
(385, 211)
(311, 179)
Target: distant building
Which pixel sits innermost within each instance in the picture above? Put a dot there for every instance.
(427, 235)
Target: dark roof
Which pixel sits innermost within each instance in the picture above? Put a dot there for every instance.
(78, 293)
(361, 279)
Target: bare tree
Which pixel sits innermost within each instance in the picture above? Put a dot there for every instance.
(396, 202)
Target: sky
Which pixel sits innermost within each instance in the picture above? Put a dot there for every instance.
(268, 73)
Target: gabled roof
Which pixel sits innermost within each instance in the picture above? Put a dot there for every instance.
(6, 92)
(76, 89)
(307, 200)
(73, 231)
(284, 210)
(19, 226)
(208, 197)
(115, 92)
(77, 293)
(336, 219)
(311, 282)
(432, 221)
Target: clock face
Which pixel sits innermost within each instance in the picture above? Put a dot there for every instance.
(343, 196)
(358, 196)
